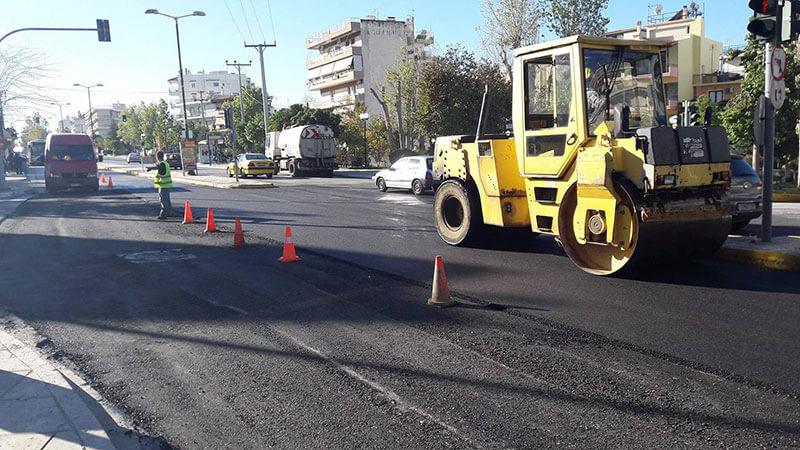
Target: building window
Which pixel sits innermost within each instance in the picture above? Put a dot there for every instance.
(216, 84)
(715, 96)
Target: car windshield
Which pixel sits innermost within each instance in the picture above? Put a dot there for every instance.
(255, 156)
(740, 168)
(80, 152)
(616, 78)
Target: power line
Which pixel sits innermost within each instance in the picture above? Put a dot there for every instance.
(246, 22)
(234, 20)
(271, 22)
(255, 13)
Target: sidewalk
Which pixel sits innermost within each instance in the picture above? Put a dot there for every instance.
(19, 190)
(42, 406)
(783, 253)
(211, 176)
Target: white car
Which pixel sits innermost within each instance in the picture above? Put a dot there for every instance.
(134, 157)
(412, 172)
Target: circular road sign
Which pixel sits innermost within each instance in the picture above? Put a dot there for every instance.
(778, 63)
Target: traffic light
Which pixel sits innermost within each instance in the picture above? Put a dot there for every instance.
(229, 118)
(790, 23)
(763, 24)
(103, 30)
(124, 118)
(694, 117)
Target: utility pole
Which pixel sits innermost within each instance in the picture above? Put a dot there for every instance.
(264, 97)
(241, 112)
(2, 146)
(769, 146)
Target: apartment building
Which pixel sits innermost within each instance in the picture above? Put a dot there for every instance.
(103, 118)
(201, 91)
(353, 56)
(692, 63)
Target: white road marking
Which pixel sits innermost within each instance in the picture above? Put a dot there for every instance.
(157, 256)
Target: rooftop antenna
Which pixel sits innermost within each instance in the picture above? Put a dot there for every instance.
(659, 8)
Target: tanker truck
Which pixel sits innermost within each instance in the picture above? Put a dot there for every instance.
(303, 150)
(591, 161)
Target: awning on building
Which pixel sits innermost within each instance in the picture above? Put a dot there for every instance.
(343, 64)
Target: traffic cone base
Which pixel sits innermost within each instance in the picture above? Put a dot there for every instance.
(211, 226)
(440, 294)
(289, 254)
(187, 214)
(110, 183)
(238, 235)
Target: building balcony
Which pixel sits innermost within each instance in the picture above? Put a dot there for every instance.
(716, 78)
(335, 80)
(671, 75)
(334, 56)
(336, 31)
(337, 101)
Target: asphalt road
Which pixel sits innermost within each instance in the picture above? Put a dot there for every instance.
(206, 345)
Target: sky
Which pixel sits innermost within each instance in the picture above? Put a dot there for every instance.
(142, 54)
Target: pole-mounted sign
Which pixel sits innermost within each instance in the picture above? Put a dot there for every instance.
(778, 72)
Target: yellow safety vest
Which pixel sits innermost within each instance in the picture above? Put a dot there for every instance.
(164, 181)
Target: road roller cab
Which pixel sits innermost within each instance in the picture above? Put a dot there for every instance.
(591, 161)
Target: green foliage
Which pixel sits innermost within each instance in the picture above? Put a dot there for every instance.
(570, 17)
(403, 101)
(738, 114)
(451, 89)
(351, 137)
(150, 126)
(703, 102)
(35, 128)
(298, 114)
(250, 132)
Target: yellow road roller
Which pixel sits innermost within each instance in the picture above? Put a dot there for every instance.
(590, 159)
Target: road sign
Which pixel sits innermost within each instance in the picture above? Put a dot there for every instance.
(777, 84)
(758, 121)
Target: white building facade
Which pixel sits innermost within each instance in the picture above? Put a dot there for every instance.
(104, 117)
(353, 57)
(202, 90)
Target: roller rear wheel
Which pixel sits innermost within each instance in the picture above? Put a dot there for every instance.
(457, 214)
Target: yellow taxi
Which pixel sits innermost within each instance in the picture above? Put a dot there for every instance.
(254, 164)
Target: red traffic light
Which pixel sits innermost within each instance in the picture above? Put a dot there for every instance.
(764, 6)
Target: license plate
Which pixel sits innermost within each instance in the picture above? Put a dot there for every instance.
(747, 206)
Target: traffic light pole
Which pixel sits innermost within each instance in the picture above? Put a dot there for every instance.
(769, 147)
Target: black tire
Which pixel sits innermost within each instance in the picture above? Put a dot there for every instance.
(737, 225)
(293, 169)
(417, 187)
(228, 171)
(49, 188)
(457, 214)
(269, 175)
(241, 173)
(328, 174)
(381, 184)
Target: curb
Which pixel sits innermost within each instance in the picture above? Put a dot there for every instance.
(763, 259)
(196, 182)
(786, 198)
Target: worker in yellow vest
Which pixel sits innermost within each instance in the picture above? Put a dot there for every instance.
(163, 183)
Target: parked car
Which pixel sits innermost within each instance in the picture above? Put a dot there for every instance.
(134, 157)
(254, 164)
(412, 172)
(174, 160)
(745, 193)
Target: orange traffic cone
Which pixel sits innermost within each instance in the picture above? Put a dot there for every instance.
(288, 248)
(110, 183)
(211, 226)
(238, 235)
(187, 214)
(103, 178)
(440, 295)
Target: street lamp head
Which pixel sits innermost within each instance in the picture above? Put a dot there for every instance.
(151, 11)
(99, 85)
(199, 13)
(77, 84)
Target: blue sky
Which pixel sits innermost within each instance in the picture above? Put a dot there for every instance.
(142, 53)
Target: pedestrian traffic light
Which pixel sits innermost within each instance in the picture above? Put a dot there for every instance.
(124, 118)
(763, 24)
(229, 118)
(103, 30)
(694, 117)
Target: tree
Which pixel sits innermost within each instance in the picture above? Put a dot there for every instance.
(510, 24)
(703, 103)
(130, 131)
(451, 90)
(570, 17)
(35, 128)
(298, 114)
(250, 132)
(738, 114)
(22, 72)
(150, 126)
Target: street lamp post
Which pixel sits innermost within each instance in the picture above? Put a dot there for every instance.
(365, 117)
(89, 93)
(60, 115)
(180, 62)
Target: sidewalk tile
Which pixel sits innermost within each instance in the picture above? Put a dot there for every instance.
(37, 415)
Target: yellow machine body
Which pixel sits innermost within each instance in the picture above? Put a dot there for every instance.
(595, 189)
